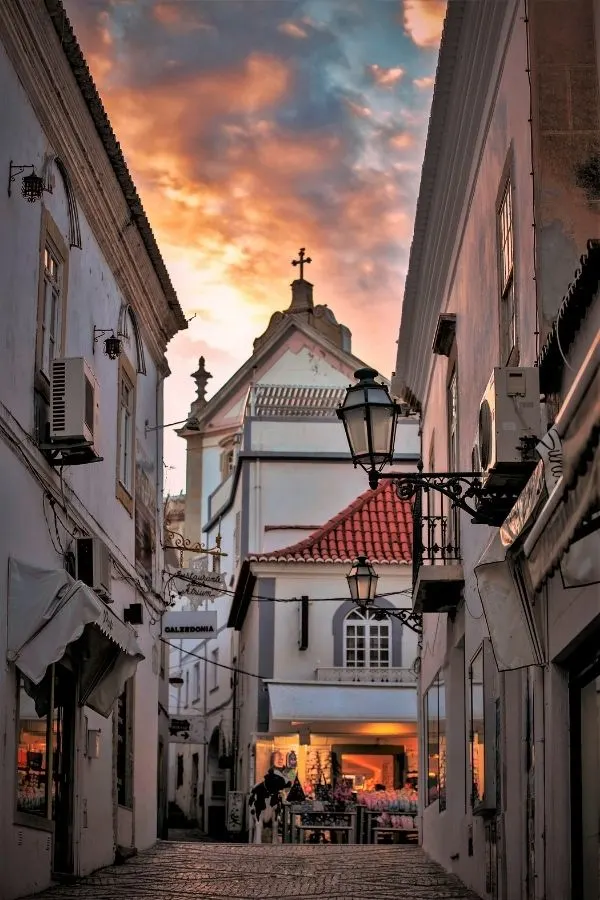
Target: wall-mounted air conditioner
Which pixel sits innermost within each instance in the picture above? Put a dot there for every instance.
(509, 422)
(94, 565)
(73, 402)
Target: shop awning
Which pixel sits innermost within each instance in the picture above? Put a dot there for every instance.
(573, 508)
(316, 702)
(52, 617)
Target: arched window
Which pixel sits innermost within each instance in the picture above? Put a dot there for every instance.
(129, 332)
(366, 640)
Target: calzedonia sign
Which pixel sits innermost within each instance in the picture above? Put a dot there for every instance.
(189, 624)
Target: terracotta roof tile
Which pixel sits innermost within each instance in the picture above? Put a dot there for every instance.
(377, 525)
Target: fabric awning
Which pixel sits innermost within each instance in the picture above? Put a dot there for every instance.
(509, 617)
(575, 499)
(326, 702)
(52, 617)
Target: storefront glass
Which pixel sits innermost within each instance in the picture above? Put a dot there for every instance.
(589, 754)
(38, 737)
(476, 730)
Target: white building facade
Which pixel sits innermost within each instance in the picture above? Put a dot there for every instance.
(267, 465)
(335, 680)
(509, 674)
(79, 603)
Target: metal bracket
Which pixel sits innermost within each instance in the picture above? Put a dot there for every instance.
(407, 617)
(183, 544)
(465, 490)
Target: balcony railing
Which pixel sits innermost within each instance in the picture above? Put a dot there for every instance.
(383, 675)
(436, 544)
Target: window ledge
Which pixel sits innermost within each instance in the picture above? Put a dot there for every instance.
(37, 823)
(213, 689)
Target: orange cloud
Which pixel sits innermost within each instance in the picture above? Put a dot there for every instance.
(292, 29)
(402, 141)
(423, 21)
(424, 83)
(385, 77)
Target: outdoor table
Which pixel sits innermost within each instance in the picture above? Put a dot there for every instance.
(367, 823)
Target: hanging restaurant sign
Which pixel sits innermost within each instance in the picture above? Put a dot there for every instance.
(189, 624)
(186, 729)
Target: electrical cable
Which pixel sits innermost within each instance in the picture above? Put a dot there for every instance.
(197, 583)
(211, 661)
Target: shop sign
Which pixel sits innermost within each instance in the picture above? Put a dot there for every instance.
(189, 624)
(186, 729)
(198, 582)
(235, 811)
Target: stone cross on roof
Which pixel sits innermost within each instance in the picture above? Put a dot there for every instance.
(301, 261)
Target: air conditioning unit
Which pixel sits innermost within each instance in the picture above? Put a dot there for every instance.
(94, 565)
(73, 402)
(509, 421)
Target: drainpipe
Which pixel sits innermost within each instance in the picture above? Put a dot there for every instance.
(539, 724)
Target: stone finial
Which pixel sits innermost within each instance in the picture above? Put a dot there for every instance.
(201, 377)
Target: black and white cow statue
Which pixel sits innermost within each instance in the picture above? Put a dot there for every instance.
(265, 802)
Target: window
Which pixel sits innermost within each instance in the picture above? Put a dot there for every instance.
(453, 456)
(366, 640)
(197, 681)
(508, 307)
(214, 675)
(35, 735)
(126, 434)
(179, 770)
(484, 731)
(187, 689)
(125, 746)
(52, 296)
(435, 741)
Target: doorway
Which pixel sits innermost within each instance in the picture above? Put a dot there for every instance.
(63, 769)
(585, 776)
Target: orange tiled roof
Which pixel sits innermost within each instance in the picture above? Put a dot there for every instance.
(377, 525)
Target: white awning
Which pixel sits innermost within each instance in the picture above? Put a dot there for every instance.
(325, 702)
(48, 613)
(510, 621)
(573, 506)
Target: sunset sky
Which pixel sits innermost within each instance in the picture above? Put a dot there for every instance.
(252, 128)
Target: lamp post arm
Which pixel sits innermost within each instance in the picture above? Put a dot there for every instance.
(465, 490)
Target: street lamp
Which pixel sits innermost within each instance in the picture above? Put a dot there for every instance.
(369, 416)
(362, 581)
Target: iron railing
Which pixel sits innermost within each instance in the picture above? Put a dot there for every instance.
(436, 531)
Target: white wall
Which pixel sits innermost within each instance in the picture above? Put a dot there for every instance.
(28, 532)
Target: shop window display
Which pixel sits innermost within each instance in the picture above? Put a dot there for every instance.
(37, 744)
(435, 741)
(477, 729)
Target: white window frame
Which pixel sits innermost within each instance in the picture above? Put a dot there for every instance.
(52, 297)
(509, 324)
(126, 434)
(196, 681)
(214, 678)
(377, 652)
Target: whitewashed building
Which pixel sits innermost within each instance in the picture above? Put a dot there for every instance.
(498, 349)
(337, 680)
(80, 471)
(267, 465)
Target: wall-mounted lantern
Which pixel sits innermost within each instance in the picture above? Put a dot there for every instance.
(32, 186)
(113, 345)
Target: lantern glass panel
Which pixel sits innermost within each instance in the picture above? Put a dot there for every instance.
(356, 430)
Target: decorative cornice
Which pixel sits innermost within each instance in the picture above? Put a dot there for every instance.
(469, 67)
(47, 59)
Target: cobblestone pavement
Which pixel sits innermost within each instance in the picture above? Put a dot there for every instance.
(176, 871)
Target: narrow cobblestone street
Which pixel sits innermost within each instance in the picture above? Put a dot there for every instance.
(245, 872)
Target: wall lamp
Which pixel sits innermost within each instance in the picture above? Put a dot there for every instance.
(370, 417)
(362, 581)
(113, 344)
(32, 186)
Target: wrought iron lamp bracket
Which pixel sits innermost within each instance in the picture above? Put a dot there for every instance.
(183, 545)
(465, 490)
(407, 617)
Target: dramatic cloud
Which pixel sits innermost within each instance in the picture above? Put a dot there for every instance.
(424, 20)
(385, 77)
(424, 84)
(255, 128)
